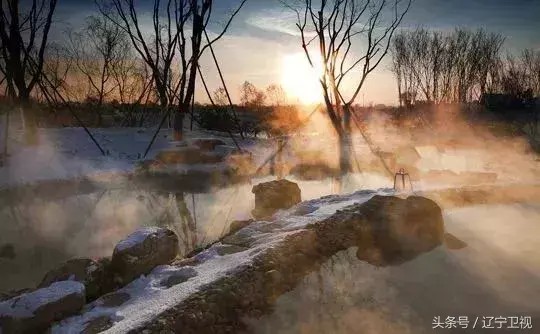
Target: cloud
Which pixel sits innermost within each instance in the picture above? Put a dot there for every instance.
(274, 20)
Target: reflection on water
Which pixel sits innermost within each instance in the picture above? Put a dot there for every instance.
(44, 234)
(36, 235)
(497, 274)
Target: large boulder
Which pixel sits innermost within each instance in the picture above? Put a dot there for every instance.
(7, 251)
(400, 229)
(34, 312)
(142, 251)
(95, 275)
(387, 230)
(273, 196)
(238, 225)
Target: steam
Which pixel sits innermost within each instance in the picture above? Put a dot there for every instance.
(48, 232)
(495, 275)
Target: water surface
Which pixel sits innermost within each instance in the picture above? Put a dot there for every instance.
(496, 274)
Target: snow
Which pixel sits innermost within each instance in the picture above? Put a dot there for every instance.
(137, 237)
(25, 305)
(68, 153)
(149, 298)
(187, 169)
(60, 154)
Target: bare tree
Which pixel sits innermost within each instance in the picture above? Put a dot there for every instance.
(24, 31)
(251, 96)
(133, 80)
(98, 50)
(530, 60)
(336, 25)
(402, 58)
(437, 67)
(169, 41)
(220, 97)
(276, 95)
(23, 36)
(57, 67)
(134, 84)
(475, 53)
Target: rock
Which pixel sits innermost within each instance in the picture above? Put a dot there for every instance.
(400, 229)
(74, 269)
(14, 293)
(273, 196)
(274, 275)
(230, 249)
(182, 275)
(7, 251)
(98, 325)
(96, 276)
(305, 209)
(35, 311)
(453, 243)
(114, 299)
(239, 224)
(185, 262)
(143, 250)
(387, 230)
(243, 238)
(267, 227)
(208, 144)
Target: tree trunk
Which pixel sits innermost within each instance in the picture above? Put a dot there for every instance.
(178, 125)
(4, 157)
(279, 158)
(28, 118)
(345, 142)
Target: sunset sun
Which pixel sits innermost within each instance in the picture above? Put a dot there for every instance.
(300, 80)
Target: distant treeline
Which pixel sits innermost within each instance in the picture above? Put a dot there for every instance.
(463, 66)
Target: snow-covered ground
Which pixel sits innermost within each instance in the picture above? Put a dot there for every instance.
(64, 153)
(69, 153)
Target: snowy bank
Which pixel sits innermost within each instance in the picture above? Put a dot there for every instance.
(150, 296)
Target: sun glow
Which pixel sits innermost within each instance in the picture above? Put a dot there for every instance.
(300, 80)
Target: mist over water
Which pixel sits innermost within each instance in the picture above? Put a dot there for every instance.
(45, 233)
(496, 274)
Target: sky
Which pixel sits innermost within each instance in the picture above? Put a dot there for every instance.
(263, 38)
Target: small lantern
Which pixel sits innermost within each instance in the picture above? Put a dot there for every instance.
(403, 175)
